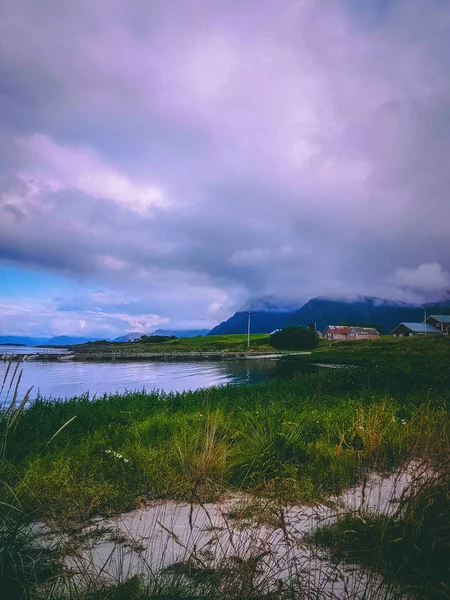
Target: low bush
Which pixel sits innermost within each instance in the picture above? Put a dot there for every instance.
(294, 338)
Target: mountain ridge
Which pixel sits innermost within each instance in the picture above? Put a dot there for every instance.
(324, 311)
(181, 333)
(387, 314)
(59, 340)
(260, 322)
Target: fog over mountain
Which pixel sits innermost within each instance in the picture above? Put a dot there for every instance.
(321, 312)
(164, 163)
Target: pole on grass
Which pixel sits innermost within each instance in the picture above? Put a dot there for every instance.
(425, 320)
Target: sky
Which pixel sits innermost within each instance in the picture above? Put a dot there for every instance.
(165, 163)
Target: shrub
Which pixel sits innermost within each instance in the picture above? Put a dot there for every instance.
(294, 338)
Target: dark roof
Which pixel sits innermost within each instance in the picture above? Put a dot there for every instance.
(441, 318)
(365, 330)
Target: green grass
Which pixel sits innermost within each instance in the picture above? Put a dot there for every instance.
(385, 350)
(411, 548)
(303, 437)
(295, 439)
(214, 343)
(24, 564)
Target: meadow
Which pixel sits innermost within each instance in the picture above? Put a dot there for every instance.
(214, 343)
(309, 434)
(403, 352)
(299, 440)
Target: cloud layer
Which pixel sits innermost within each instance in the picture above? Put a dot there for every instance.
(194, 155)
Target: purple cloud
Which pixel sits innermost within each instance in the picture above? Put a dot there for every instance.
(205, 154)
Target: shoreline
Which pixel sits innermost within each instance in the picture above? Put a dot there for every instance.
(146, 356)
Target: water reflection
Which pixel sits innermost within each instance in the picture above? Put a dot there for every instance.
(15, 350)
(69, 379)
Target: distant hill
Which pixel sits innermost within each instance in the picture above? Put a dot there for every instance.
(260, 322)
(365, 309)
(181, 333)
(22, 340)
(60, 340)
(128, 337)
(67, 340)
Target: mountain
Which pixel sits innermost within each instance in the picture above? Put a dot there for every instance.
(128, 337)
(67, 340)
(261, 321)
(60, 340)
(387, 314)
(22, 340)
(181, 333)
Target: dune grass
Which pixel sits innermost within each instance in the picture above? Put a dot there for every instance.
(410, 547)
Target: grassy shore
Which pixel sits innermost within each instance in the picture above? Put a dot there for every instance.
(307, 435)
(297, 439)
(214, 343)
(387, 350)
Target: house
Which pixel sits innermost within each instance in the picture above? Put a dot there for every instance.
(411, 329)
(336, 332)
(345, 332)
(441, 322)
(362, 333)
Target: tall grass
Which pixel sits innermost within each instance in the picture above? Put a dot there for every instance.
(309, 435)
(202, 456)
(26, 566)
(22, 564)
(409, 547)
(301, 440)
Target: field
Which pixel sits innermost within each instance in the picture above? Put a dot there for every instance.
(295, 440)
(402, 352)
(214, 343)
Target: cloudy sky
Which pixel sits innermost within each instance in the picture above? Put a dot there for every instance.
(166, 162)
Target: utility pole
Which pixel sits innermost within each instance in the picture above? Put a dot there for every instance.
(248, 331)
(425, 321)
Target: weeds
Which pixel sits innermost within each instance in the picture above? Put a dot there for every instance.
(202, 455)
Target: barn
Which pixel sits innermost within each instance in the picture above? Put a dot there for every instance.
(441, 322)
(411, 329)
(336, 332)
(363, 333)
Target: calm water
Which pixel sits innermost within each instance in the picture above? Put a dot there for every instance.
(65, 380)
(30, 350)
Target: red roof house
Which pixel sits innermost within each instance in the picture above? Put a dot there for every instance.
(336, 332)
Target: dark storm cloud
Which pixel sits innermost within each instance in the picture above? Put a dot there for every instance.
(219, 153)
